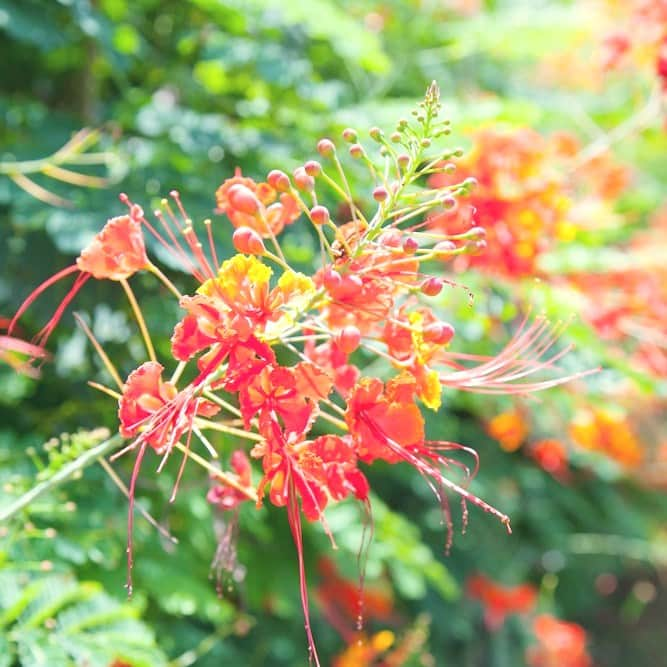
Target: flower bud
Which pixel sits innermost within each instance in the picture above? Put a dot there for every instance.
(449, 168)
(410, 246)
(320, 215)
(302, 181)
(380, 193)
(477, 232)
(445, 247)
(248, 241)
(432, 286)
(356, 150)
(243, 199)
(313, 168)
(325, 147)
(439, 333)
(376, 133)
(332, 280)
(403, 160)
(448, 203)
(348, 339)
(349, 135)
(278, 180)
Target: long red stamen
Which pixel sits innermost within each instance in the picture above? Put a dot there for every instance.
(294, 520)
(39, 290)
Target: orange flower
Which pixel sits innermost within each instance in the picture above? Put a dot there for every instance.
(342, 600)
(560, 644)
(500, 601)
(384, 420)
(509, 429)
(155, 411)
(256, 205)
(290, 394)
(609, 433)
(117, 252)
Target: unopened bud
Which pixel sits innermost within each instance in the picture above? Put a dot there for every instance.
(278, 180)
(302, 180)
(332, 280)
(410, 246)
(477, 232)
(325, 147)
(313, 168)
(425, 143)
(248, 241)
(349, 338)
(320, 215)
(380, 193)
(470, 182)
(448, 203)
(395, 137)
(356, 150)
(439, 333)
(432, 286)
(243, 199)
(449, 168)
(376, 133)
(349, 135)
(403, 160)
(444, 247)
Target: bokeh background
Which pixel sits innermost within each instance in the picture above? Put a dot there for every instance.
(561, 104)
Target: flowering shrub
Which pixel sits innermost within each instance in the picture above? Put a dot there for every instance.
(280, 360)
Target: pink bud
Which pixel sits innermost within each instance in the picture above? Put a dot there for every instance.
(432, 286)
(332, 280)
(302, 181)
(243, 199)
(403, 160)
(325, 147)
(349, 135)
(313, 168)
(448, 203)
(356, 150)
(319, 215)
(380, 193)
(410, 246)
(348, 339)
(248, 241)
(278, 180)
(376, 133)
(445, 247)
(439, 333)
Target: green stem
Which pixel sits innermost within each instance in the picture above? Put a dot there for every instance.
(62, 476)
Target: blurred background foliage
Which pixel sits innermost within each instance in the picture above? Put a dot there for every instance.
(185, 91)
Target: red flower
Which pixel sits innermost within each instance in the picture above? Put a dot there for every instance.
(551, 455)
(500, 601)
(560, 644)
(155, 411)
(290, 394)
(115, 253)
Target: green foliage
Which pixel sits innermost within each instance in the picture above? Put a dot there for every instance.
(53, 620)
(184, 92)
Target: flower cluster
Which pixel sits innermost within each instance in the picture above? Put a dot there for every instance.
(275, 358)
(529, 195)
